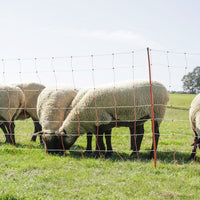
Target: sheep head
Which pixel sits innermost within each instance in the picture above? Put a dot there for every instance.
(58, 142)
(68, 139)
(53, 143)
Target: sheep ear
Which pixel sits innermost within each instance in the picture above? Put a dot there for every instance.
(63, 132)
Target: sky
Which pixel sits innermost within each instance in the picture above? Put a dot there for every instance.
(64, 28)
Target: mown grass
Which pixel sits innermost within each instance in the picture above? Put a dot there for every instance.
(27, 172)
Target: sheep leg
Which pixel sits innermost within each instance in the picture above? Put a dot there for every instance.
(100, 147)
(157, 134)
(194, 151)
(6, 133)
(132, 137)
(196, 142)
(89, 143)
(37, 128)
(11, 127)
(108, 143)
(13, 132)
(33, 137)
(136, 138)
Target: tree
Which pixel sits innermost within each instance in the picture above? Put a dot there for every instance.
(191, 81)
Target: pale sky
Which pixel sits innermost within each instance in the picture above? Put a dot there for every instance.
(64, 28)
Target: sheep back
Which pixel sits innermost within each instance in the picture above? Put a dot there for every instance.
(31, 92)
(79, 96)
(123, 94)
(52, 107)
(11, 102)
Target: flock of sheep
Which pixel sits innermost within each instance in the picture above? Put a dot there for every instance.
(62, 114)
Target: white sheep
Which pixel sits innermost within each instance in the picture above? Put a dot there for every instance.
(51, 116)
(139, 130)
(52, 108)
(110, 104)
(75, 101)
(11, 104)
(194, 117)
(31, 92)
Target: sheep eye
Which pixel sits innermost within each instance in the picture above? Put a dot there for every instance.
(65, 132)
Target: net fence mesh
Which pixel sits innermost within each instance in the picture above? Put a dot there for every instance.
(92, 71)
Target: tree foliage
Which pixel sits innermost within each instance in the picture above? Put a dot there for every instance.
(191, 81)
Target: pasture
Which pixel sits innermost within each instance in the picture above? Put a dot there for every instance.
(27, 172)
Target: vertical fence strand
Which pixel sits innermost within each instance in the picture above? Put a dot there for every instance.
(135, 117)
(95, 102)
(115, 102)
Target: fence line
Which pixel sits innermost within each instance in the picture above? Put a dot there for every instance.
(91, 71)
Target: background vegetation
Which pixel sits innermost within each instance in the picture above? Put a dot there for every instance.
(27, 172)
(191, 81)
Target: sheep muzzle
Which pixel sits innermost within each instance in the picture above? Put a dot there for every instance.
(53, 143)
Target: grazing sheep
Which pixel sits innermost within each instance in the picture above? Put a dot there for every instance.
(31, 92)
(54, 102)
(78, 97)
(11, 104)
(109, 104)
(139, 129)
(52, 108)
(194, 117)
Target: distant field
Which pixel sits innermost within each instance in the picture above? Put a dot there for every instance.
(181, 100)
(27, 172)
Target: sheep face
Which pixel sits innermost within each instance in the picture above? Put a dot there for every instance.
(53, 143)
(68, 140)
(58, 143)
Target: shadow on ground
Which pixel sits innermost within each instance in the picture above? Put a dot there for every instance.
(166, 157)
(78, 152)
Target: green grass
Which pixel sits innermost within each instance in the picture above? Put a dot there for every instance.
(181, 100)
(27, 172)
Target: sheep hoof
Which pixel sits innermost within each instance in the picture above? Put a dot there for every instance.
(9, 142)
(133, 155)
(52, 152)
(88, 152)
(151, 155)
(33, 139)
(97, 154)
(192, 156)
(108, 154)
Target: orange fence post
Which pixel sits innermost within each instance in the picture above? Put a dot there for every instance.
(152, 108)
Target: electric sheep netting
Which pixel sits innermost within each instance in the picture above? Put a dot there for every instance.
(92, 71)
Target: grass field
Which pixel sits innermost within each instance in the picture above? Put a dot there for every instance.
(27, 172)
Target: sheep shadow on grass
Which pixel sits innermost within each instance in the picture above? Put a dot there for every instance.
(78, 152)
(165, 157)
